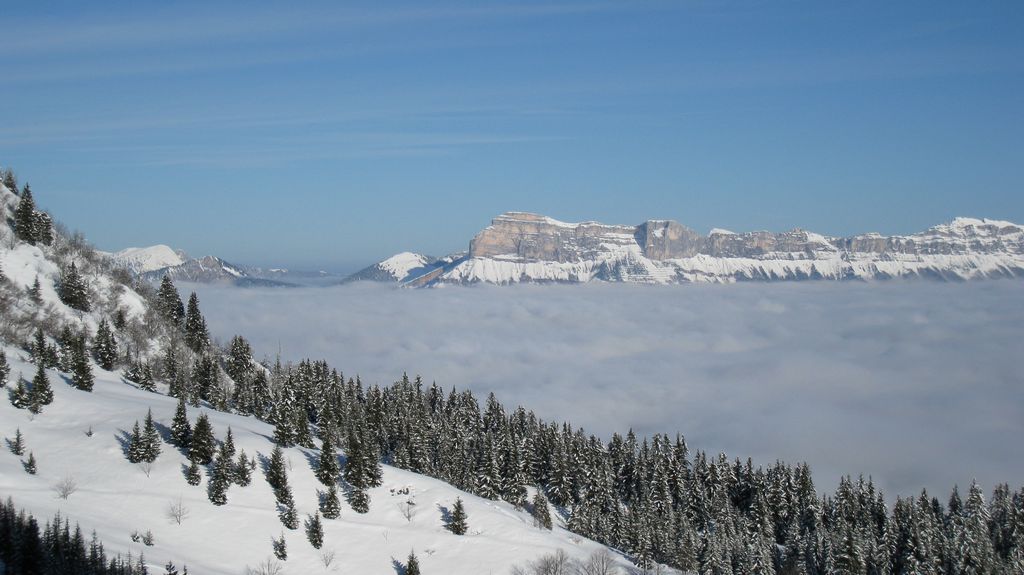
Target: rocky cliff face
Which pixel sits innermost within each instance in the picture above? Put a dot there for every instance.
(522, 247)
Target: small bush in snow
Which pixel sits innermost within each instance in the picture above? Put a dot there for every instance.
(65, 487)
(267, 567)
(177, 511)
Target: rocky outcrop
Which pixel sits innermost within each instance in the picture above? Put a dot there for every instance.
(521, 247)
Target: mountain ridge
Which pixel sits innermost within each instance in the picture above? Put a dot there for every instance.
(522, 247)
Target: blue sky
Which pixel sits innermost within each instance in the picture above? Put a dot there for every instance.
(333, 134)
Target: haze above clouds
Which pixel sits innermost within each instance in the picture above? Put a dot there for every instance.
(916, 384)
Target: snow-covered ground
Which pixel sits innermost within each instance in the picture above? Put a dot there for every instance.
(117, 498)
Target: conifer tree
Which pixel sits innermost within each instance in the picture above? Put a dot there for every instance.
(181, 429)
(220, 479)
(41, 394)
(457, 520)
(302, 435)
(43, 228)
(146, 382)
(175, 387)
(37, 353)
(197, 338)
(330, 506)
(20, 396)
(35, 293)
(169, 302)
(81, 372)
(239, 368)
(228, 447)
(203, 443)
(280, 548)
(18, 445)
(284, 427)
(540, 511)
(315, 531)
(104, 347)
(30, 465)
(242, 471)
(120, 320)
(192, 474)
(136, 445)
(359, 500)
(72, 289)
(25, 217)
(328, 469)
(5, 368)
(412, 565)
(66, 342)
(150, 439)
(286, 509)
(10, 181)
(276, 474)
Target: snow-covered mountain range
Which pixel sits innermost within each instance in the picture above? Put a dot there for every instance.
(154, 262)
(521, 247)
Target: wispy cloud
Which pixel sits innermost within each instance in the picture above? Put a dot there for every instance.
(172, 26)
(914, 383)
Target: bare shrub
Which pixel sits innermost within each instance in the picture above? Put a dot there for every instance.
(557, 563)
(177, 512)
(600, 562)
(327, 558)
(266, 567)
(408, 509)
(65, 487)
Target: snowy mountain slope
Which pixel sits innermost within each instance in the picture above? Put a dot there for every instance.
(519, 247)
(116, 498)
(152, 258)
(397, 268)
(79, 438)
(23, 264)
(211, 269)
(153, 262)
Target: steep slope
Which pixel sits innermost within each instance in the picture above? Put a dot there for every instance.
(117, 498)
(520, 247)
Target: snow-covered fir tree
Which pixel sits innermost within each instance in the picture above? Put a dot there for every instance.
(412, 564)
(203, 445)
(73, 290)
(315, 531)
(197, 337)
(41, 393)
(81, 371)
(168, 302)
(457, 520)
(330, 506)
(17, 445)
(181, 429)
(104, 348)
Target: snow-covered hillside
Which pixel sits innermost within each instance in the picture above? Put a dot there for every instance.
(117, 498)
(79, 441)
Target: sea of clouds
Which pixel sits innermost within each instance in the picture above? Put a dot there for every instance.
(917, 384)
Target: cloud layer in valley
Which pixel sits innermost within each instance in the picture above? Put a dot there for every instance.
(916, 384)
